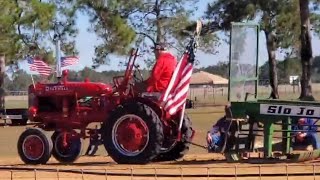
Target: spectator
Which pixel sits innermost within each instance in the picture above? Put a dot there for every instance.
(305, 133)
(215, 135)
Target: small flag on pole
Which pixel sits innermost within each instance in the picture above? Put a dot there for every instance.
(69, 60)
(38, 65)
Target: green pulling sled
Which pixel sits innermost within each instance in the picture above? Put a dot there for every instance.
(251, 116)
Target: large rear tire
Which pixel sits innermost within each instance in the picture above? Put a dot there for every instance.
(133, 134)
(181, 148)
(34, 147)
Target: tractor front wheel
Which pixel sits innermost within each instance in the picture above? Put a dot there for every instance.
(34, 147)
(133, 134)
(68, 151)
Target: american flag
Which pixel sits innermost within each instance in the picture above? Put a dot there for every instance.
(36, 64)
(69, 60)
(176, 94)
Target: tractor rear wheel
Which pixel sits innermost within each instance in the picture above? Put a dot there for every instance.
(133, 134)
(181, 148)
(69, 152)
(34, 147)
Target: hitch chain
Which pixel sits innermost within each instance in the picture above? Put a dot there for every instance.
(199, 145)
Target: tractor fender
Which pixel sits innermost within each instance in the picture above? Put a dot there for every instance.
(151, 103)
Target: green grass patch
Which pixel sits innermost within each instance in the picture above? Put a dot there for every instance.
(10, 104)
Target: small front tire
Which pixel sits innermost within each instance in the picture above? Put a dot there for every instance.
(70, 152)
(34, 147)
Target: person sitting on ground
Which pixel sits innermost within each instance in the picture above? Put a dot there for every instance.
(161, 73)
(214, 136)
(305, 133)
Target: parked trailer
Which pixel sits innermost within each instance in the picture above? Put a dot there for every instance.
(17, 116)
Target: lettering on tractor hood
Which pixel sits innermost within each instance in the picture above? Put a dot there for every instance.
(56, 88)
(287, 110)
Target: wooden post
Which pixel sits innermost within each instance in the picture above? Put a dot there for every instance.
(2, 73)
(213, 93)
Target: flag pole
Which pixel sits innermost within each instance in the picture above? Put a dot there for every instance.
(34, 86)
(58, 59)
(181, 121)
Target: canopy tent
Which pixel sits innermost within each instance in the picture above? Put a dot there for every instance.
(205, 78)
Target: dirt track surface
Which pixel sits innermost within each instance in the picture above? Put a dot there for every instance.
(194, 165)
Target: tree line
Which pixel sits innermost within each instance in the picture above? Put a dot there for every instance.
(285, 68)
(21, 80)
(290, 66)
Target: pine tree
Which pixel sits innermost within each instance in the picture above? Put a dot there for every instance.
(306, 50)
(122, 24)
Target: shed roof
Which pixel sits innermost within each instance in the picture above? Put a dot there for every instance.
(203, 77)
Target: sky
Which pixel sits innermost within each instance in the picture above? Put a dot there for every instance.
(86, 41)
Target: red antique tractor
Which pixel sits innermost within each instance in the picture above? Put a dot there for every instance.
(135, 129)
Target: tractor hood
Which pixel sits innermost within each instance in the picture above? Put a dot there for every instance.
(70, 88)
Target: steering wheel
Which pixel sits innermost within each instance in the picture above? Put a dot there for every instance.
(85, 101)
(137, 70)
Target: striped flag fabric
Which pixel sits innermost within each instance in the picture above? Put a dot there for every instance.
(69, 60)
(175, 95)
(38, 65)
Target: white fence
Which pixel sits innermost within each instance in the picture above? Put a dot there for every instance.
(16, 93)
(221, 93)
(284, 171)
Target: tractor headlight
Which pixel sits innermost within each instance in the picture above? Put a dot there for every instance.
(32, 111)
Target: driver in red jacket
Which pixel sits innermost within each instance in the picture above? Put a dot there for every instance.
(161, 72)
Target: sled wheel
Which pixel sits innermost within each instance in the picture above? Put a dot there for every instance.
(69, 152)
(181, 148)
(34, 147)
(133, 134)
